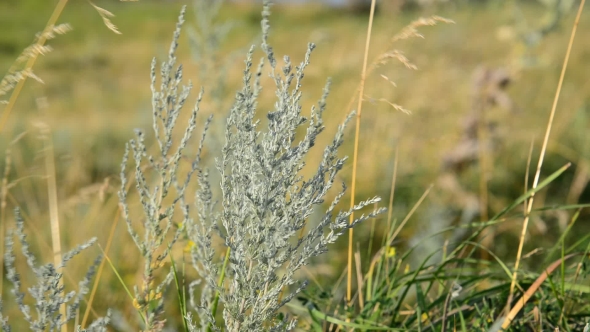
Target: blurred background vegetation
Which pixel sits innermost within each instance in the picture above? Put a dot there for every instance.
(96, 91)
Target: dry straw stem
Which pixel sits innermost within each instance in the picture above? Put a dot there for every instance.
(486, 235)
(527, 172)
(106, 251)
(409, 215)
(4, 188)
(32, 52)
(482, 134)
(3, 196)
(359, 278)
(101, 267)
(541, 158)
(31, 62)
(390, 205)
(409, 31)
(355, 155)
(533, 288)
(52, 194)
(392, 192)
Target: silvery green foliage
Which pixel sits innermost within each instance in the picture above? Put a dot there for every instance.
(49, 293)
(206, 37)
(155, 183)
(265, 202)
(99, 325)
(3, 321)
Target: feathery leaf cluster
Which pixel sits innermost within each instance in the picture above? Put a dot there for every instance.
(49, 293)
(265, 202)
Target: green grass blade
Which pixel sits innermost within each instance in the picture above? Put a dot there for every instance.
(320, 316)
(121, 280)
(179, 293)
(531, 192)
(561, 242)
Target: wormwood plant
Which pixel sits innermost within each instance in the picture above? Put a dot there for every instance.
(49, 293)
(206, 38)
(265, 204)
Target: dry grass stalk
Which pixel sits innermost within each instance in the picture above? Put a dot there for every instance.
(533, 288)
(45, 133)
(102, 263)
(4, 188)
(390, 205)
(541, 158)
(409, 215)
(3, 194)
(409, 31)
(359, 278)
(31, 62)
(100, 269)
(15, 79)
(355, 153)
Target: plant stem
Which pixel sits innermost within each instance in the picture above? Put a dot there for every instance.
(540, 163)
(355, 157)
(219, 284)
(31, 62)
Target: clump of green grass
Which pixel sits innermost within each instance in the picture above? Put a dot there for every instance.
(461, 292)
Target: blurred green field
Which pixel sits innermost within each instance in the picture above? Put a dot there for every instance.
(96, 91)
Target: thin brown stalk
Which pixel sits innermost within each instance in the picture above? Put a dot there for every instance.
(376, 258)
(450, 313)
(100, 268)
(486, 235)
(336, 286)
(359, 278)
(89, 308)
(390, 205)
(445, 311)
(52, 197)
(3, 200)
(312, 277)
(414, 208)
(27, 187)
(527, 172)
(29, 222)
(542, 154)
(579, 183)
(573, 220)
(355, 155)
(77, 317)
(534, 287)
(483, 167)
(3, 194)
(392, 193)
(576, 276)
(31, 62)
